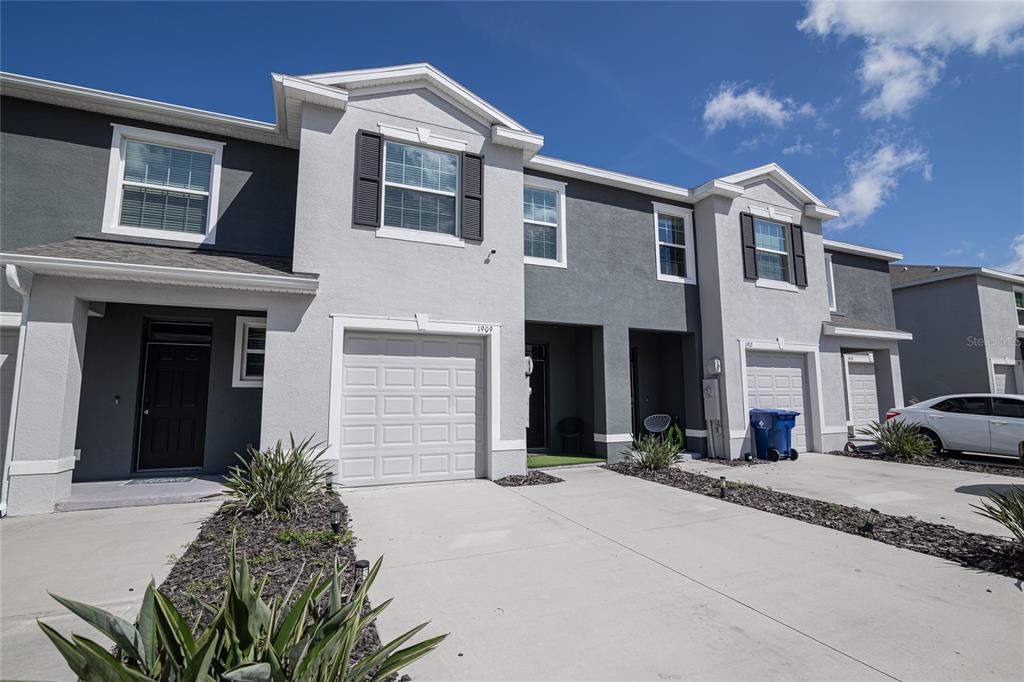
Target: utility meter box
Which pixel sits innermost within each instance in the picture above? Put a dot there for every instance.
(712, 403)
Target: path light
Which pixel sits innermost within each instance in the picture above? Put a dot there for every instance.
(721, 486)
(330, 481)
(362, 568)
(336, 519)
(869, 522)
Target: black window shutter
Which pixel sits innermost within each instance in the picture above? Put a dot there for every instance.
(369, 154)
(472, 197)
(749, 247)
(796, 234)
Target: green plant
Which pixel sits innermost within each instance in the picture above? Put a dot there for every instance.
(1005, 508)
(652, 453)
(309, 538)
(276, 480)
(248, 639)
(675, 435)
(898, 438)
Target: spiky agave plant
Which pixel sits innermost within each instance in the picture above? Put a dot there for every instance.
(652, 453)
(1005, 508)
(276, 480)
(247, 639)
(898, 438)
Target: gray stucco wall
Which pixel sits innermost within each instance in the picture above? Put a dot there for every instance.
(570, 367)
(947, 354)
(863, 288)
(113, 362)
(54, 161)
(363, 274)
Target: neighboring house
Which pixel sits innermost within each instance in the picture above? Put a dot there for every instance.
(967, 324)
(373, 268)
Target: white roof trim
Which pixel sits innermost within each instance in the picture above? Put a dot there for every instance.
(101, 101)
(858, 250)
(719, 188)
(159, 274)
(291, 92)
(8, 320)
(530, 143)
(979, 272)
(605, 177)
(407, 74)
(831, 329)
(813, 206)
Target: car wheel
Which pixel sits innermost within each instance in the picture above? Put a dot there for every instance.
(935, 441)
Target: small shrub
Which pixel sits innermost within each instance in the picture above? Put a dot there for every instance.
(276, 480)
(248, 639)
(1007, 509)
(652, 453)
(898, 438)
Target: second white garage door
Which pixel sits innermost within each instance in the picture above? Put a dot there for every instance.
(777, 381)
(861, 390)
(413, 408)
(1005, 378)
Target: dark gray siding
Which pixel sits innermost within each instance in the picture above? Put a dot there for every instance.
(53, 161)
(863, 288)
(947, 354)
(113, 360)
(611, 275)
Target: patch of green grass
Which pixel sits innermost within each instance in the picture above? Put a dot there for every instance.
(537, 461)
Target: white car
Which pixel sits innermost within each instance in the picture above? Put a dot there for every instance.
(973, 422)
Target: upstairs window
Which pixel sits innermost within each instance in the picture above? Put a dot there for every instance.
(772, 248)
(544, 222)
(250, 351)
(674, 255)
(1018, 297)
(830, 282)
(420, 186)
(162, 185)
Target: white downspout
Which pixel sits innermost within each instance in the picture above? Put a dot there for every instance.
(20, 281)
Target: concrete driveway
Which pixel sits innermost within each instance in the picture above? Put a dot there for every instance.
(105, 558)
(610, 577)
(928, 493)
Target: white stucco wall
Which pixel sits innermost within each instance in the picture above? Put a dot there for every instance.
(999, 326)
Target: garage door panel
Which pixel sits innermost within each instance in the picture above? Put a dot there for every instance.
(1005, 379)
(421, 417)
(777, 381)
(862, 392)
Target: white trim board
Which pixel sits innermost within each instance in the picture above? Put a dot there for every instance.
(613, 437)
(31, 467)
(858, 250)
(419, 324)
(832, 329)
(160, 274)
(242, 323)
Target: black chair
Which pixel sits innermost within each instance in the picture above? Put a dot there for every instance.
(570, 427)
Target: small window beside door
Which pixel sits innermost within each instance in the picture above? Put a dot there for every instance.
(250, 351)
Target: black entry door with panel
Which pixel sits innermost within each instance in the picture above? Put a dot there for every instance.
(172, 429)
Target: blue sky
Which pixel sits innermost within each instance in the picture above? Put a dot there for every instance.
(908, 117)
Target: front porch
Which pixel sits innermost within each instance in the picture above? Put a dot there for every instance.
(592, 387)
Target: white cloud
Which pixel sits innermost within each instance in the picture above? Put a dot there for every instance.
(1016, 264)
(731, 105)
(906, 42)
(873, 178)
(960, 250)
(799, 147)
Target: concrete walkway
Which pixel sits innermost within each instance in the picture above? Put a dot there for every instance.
(609, 577)
(928, 493)
(104, 558)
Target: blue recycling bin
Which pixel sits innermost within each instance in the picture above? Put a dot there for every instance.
(773, 433)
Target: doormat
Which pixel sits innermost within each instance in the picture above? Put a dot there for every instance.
(148, 481)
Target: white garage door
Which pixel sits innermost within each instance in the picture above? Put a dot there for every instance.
(413, 408)
(777, 381)
(1006, 380)
(861, 391)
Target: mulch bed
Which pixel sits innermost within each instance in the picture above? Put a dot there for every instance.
(973, 550)
(532, 478)
(281, 550)
(1008, 469)
(737, 462)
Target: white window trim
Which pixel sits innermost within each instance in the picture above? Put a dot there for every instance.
(421, 136)
(242, 325)
(115, 175)
(831, 283)
(767, 282)
(688, 249)
(1017, 290)
(561, 260)
(409, 234)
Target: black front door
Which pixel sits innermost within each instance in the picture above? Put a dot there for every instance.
(172, 430)
(537, 432)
